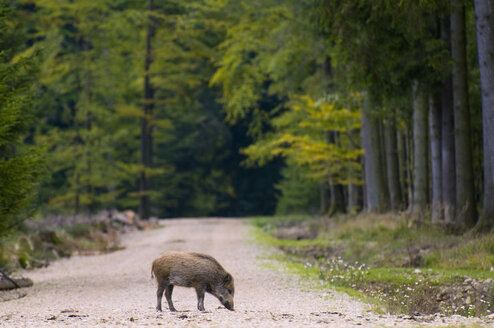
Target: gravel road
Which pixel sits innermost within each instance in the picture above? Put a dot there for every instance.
(115, 290)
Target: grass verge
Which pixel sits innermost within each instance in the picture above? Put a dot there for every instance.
(409, 269)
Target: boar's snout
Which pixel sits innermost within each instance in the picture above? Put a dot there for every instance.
(228, 304)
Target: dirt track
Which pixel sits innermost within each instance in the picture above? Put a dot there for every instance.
(115, 290)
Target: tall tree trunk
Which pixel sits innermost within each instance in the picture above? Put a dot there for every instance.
(448, 156)
(77, 195)
(146, 122)
(465, 193)
(337, 200)
(87, 155)
(384, 166)
(88, 144)
(354, 190)
(375, 181)
(371, 200)
(448, 137)
(78, 186)
(354, 203)
(403, 167)
(392, 164)
(337, 194)
(436, 162)
(484, 14)
(486, 221)
(324, 198)
(420, 192)
(409, 158)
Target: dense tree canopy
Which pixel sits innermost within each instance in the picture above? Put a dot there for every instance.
(219, 107)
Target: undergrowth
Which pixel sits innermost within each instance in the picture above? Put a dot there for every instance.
(32, 248)
(410, 269)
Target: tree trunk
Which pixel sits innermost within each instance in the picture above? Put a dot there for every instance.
(146, 123)
(77, 178)
(448, 137)
(337, 200)
(486, 221)
(77, 195)
(383, 166)
(88, 142)
(420, 192)
(354, 203)
(87, 155)
(375, 183)
(354, 190)
(393, 164)
(337, 194)
(465, 194)
(448, 151)
(403, 167)
(324, 198)
(371, 198)
(484, 14)
(436, 162)
(409, 153)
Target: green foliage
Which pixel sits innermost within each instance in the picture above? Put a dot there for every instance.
(282, 73)
(381, 50)
(83, 81)
(269, 45)
(301, 135)
(297, 193)
(272, 49)
(20, 164)
(89, 107)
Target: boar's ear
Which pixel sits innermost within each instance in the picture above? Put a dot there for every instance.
(228, 278)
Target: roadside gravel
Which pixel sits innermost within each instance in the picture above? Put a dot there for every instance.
(115, 290)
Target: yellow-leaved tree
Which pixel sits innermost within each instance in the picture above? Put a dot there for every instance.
(319, 137)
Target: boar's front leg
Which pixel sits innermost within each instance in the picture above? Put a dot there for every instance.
(200, 299)
(168, 295)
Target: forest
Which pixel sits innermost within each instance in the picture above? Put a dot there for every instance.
(236, 108)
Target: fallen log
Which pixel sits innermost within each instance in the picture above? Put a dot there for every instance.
(7, 283)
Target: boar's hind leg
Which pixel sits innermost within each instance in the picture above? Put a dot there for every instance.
(159, 293)
(168, 295)
(200, 299)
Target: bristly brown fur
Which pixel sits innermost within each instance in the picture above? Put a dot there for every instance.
(200, 271)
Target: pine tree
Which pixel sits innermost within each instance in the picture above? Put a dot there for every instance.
(20, 165)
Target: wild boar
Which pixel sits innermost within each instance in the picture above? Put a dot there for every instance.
(196, 270)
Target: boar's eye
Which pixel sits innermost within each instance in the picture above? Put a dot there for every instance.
(229, 291)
